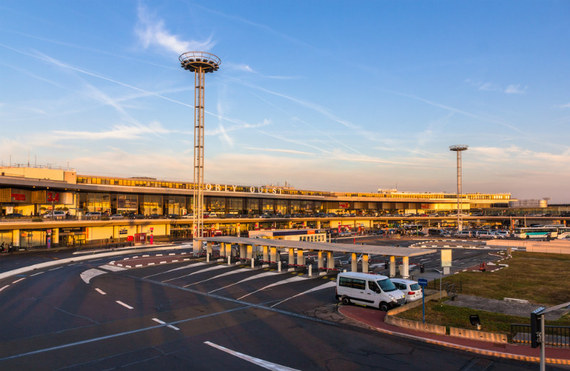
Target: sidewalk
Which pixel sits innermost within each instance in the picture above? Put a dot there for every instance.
(375, 319)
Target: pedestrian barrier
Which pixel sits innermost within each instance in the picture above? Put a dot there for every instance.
(478, 335)
(415, 325)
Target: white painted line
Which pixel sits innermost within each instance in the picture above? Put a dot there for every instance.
(100, 291)
(321, 287)
(4, 287)
(174, 261)
(288, 280)
(200, 271)
(256, 361)
(176, 269)
(123, 304)
(240, 270)
(171, 254)
(89, 274)
(138, 265)
(163, 262)
(112, 268)
(164, 323)
(21, 279)
(261, 275)
(145, 255)
(37, 274)
(158, 255)
(56, 268)
(152, 263)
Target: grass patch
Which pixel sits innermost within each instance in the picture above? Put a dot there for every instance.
(438, 313)
(538, 278)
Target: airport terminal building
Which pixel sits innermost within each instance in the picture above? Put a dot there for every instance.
(94, 208)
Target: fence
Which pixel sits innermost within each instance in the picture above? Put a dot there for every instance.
(556, 336)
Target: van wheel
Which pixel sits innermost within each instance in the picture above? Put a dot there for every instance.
(345, 300)
(383, 307)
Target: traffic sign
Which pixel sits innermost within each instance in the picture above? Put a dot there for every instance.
(422, 282)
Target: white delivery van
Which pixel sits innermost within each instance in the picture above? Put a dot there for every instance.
(368, 289)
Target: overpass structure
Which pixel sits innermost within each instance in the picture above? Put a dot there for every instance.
(269, 249)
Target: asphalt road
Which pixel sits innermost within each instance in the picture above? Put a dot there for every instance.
(192, 315)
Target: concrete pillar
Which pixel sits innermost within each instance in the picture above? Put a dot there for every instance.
(291, 259)
(353, 263)
(242, 251)
(300, 257)
(318, 224)
(406, 267)
(209, 249)
(265, 254)
(55, 236)
(330, 260)
(320, 263)
(392, 266)
(365, 263)
(273, 254)
(16, 237)
(249, 251)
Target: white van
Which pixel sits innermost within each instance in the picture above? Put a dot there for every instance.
(368, 289)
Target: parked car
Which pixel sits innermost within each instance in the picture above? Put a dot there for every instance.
(14, 216)
(502, 234)
(56, 214)
(93, 215)
(411, 289)
(485, 234)
(117, 216)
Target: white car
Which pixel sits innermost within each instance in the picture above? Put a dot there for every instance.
(411, 289)
(56, 214)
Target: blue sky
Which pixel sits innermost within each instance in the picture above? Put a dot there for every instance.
(325, 95)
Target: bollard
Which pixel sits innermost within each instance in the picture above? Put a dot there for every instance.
(310, 271)
(279, 266)
(207, 257)
(229, 260)
(252, 263)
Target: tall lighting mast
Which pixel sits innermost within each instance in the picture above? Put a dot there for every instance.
(200, 63)
(459, 148)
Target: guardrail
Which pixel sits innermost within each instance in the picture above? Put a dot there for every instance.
(556, 336)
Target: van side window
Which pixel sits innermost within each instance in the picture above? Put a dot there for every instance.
(372, 285)
(358, 284)
(351, 282)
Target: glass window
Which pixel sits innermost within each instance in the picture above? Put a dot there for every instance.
(386, 285)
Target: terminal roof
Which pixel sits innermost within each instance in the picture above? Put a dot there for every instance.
(320, 246)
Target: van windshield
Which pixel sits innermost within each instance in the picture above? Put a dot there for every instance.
(386, 285)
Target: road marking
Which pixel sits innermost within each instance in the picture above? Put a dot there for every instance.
(256, 361)
(123, 304)
(240, 270)
(283, 282)
(21, 279)
(176, 269)
(89, 274)
(164, 323)
(321, 287)
(200, 271)
(261, 275)
(56, 268)
(4, 287)
(37, 274)
(100, 291)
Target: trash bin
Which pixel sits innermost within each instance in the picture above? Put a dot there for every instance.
(422, 268)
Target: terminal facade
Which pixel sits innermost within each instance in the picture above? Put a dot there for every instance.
(101, 208)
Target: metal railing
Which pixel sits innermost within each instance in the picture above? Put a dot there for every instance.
(556, 336)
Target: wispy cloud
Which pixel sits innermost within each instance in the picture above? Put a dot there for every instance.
(515, 89)
(152, 32)
(567, 105)
(289, 151)
(491, 86)
(125, 132)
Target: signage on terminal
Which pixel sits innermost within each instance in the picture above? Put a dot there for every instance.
(233, 188)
